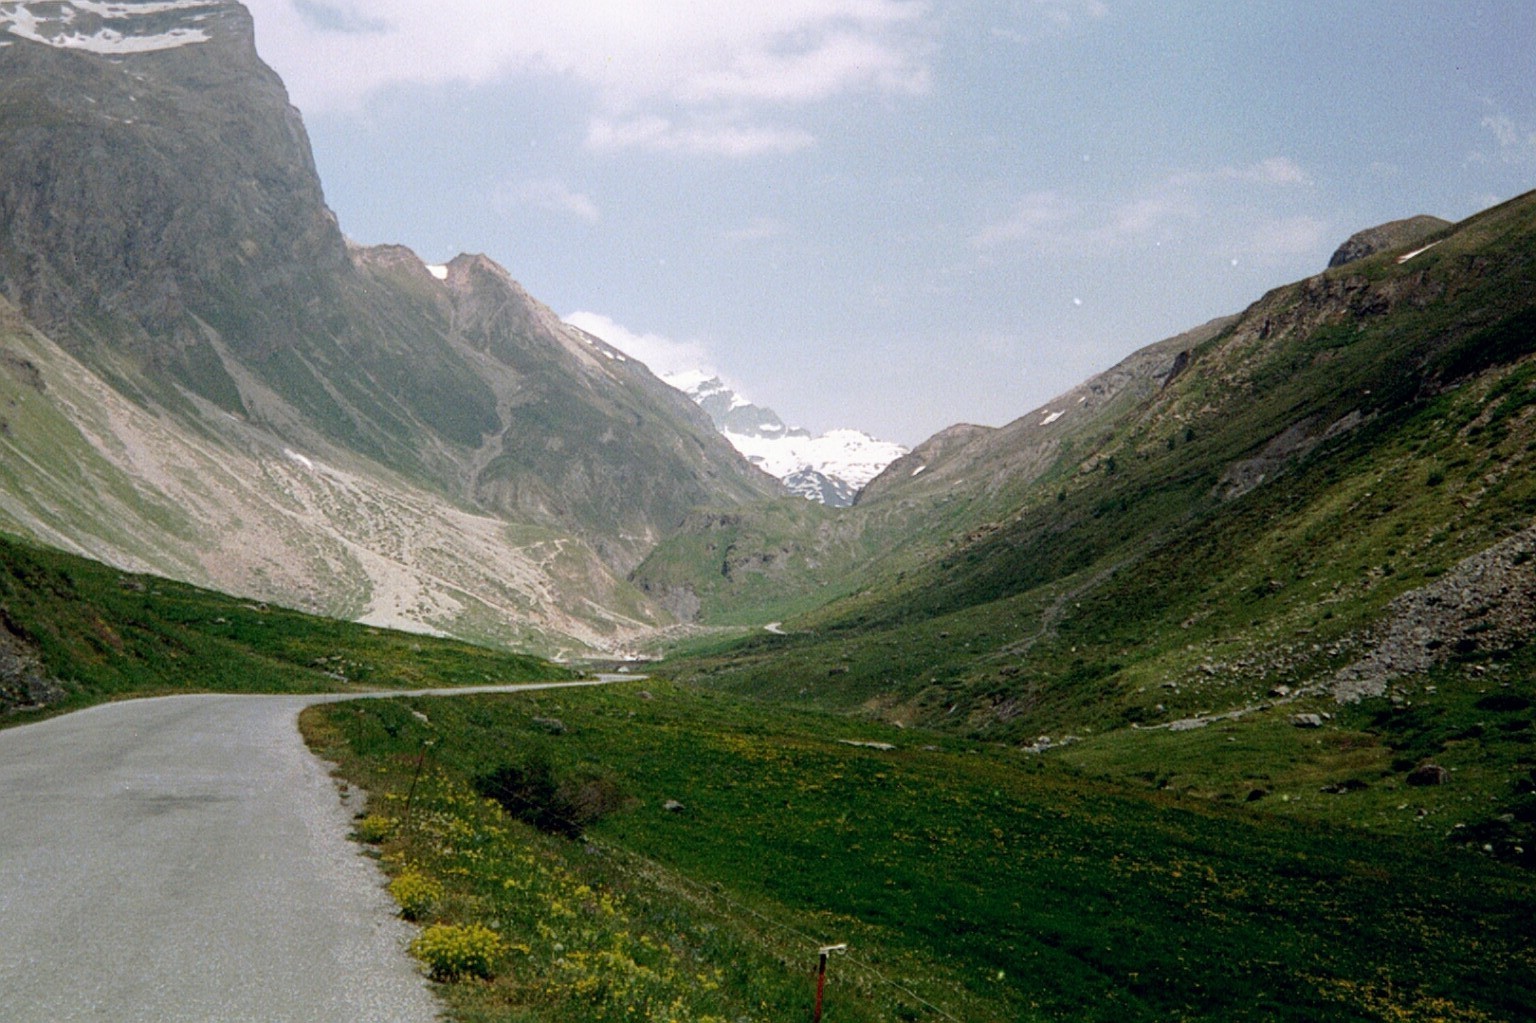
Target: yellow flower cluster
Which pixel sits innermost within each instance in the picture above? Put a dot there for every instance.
(576, 944)
(374, 828)
(416, 893)
(452, 951)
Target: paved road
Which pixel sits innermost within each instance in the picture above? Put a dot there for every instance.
(186, 859)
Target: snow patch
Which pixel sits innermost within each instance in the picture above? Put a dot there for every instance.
(109, 28)
(690, 382)
(298, 459)
(603, 348)
(1405, 257)
(438, 270)
(919, 470)
(1051, 417)
(849, 455)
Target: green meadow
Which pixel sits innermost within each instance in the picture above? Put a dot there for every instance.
(689, 851)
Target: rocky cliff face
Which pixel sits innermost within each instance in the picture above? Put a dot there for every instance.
(150, 192)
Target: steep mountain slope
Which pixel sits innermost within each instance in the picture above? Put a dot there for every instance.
(174, 279)
(1329, 505)
(234, 507)
(163, 221)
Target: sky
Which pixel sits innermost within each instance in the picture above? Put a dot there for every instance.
(897, 215)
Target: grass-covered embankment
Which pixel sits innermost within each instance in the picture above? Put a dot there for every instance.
(75, 632)
(969, 882)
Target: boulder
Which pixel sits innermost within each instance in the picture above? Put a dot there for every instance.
(1428, 774)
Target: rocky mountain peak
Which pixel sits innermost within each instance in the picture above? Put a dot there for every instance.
(1394, 234)
(162, 223)
(155, 180)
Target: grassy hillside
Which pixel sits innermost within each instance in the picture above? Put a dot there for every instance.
(74, 632)
(1300, 571)
(1344, 442)
(721, 842)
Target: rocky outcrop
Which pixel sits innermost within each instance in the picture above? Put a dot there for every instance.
(1487, 603)
(1288, 447)
(1395, 234)
(24, 685)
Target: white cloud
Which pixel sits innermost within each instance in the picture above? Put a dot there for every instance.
(1064, 12)
(661, 355)
(1047, 221)
(1516, 142)
(550, 195)
(706, 138)
(691, 78)
(838, 62)
(1036, 218)
(330, 17)
(1044, 18)
(1289, 236)
(1231, 198)
(1277, 170)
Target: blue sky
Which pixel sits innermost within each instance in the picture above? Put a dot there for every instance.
(898, 214)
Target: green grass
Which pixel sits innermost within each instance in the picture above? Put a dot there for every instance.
(984, 884)
(103, 634)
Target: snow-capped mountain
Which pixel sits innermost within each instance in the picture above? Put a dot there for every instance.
(111, 28)
(830, 468)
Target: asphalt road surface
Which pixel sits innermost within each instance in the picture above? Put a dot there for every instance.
(186, 859)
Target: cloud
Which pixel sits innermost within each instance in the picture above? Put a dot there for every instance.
(1037, 217)
(1181, 204)
(839, 62)
(1048, 221)
(1288, 236)
(550, 195)
(1044, 18)
(1277, 170)
(662, 355)
(706, 138)
(707, 77)
(330, 18)
(1065, 12)
(1516, 142)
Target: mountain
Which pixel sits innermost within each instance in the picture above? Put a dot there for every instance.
(829, 469)
(1327, 492)
(211, 381)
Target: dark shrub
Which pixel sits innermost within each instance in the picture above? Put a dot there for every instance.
(533, 793)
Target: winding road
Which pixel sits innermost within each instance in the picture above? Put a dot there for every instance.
(186, 859)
